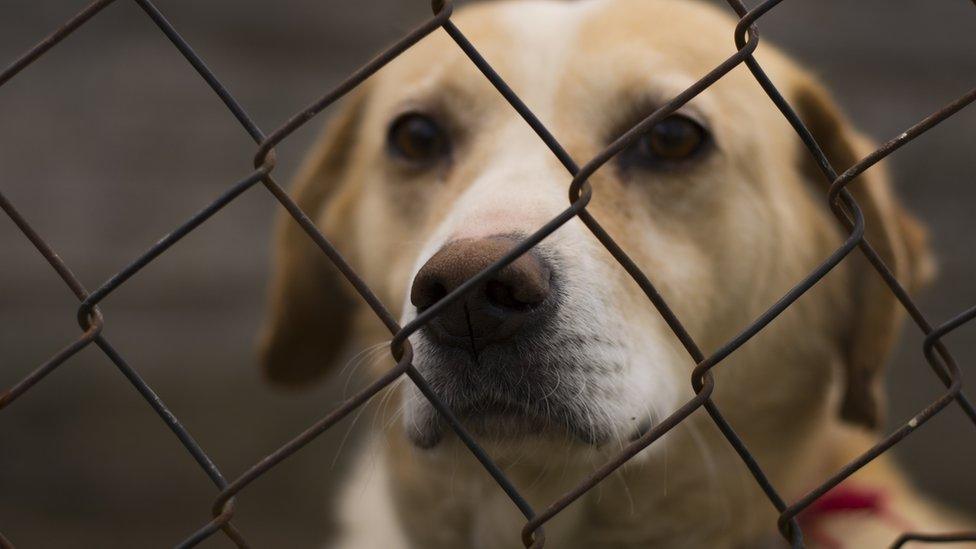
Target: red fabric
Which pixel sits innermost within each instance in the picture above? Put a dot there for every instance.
(865, 501)
(843, 498)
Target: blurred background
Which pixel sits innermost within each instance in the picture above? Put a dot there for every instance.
(112, 140)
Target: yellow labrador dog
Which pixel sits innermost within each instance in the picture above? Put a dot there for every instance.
(426, 176)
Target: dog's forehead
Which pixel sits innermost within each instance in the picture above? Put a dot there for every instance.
(536, 42)
(543, 47)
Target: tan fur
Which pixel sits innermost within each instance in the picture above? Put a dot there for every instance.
(722, 242)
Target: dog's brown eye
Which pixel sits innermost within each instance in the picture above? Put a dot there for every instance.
(672, 140)
(417, 138)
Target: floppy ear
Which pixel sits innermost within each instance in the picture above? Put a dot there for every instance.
(895, 234)
(311, 305)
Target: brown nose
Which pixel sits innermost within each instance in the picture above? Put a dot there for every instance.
(493, 310)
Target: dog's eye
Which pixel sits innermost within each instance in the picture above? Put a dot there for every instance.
(417, 138)
(672, 140)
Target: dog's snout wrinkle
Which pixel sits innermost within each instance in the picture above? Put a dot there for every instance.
(474, 346)
(492, 311)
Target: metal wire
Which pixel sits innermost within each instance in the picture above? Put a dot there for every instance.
(746, 36)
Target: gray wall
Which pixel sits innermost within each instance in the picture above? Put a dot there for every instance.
(112, 140)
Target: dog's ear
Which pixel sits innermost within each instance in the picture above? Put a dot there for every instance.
(898, 238)
(311, 305)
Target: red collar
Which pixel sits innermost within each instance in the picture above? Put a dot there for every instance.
(845, 498)
(866, 501)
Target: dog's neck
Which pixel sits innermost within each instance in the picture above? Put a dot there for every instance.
(706, 500)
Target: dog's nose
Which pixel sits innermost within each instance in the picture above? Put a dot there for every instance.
(493, 310)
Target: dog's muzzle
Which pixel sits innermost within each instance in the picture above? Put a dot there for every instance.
(495, 355)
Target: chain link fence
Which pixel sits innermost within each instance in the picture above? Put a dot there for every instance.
(843, 205)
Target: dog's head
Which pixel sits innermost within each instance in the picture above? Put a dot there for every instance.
(427, 176)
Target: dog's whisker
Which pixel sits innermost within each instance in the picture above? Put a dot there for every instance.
(620, 475)
(712, 470)
(383, 405)
(353, 364)
(401, 409)
(349, 429)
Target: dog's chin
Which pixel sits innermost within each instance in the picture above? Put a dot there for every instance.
(502, 426)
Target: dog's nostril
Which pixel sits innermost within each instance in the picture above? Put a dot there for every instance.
(426, 292)
(501, 295)
(435, 293)
(530, 294)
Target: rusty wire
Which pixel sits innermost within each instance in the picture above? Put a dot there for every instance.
(842, 203)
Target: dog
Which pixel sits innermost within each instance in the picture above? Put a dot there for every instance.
(426, 176)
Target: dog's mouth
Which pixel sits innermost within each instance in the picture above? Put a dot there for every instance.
(542, 385)
(502, 420)
(500, 398)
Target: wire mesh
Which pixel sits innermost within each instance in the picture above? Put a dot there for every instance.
(842, 203)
